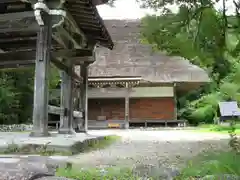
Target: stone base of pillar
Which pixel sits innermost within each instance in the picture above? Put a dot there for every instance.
(39, 134)
(81, 131)
(66, 131)
(126, 125)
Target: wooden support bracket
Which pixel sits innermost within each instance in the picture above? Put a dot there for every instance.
(61, 65)
(58, 111)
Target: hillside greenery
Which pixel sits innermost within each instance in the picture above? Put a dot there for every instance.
(207, 37)
(16, 94)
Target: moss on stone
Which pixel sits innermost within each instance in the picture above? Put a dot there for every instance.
(78, 147)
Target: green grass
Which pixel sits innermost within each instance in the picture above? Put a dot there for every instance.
(217, 128)
(97, 174)
(217, 163)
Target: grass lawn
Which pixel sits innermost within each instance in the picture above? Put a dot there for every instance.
(214, 164)
(97, 174)
(217, 128)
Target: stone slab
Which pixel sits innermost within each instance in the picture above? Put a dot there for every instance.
(25, 167)
(57, 142)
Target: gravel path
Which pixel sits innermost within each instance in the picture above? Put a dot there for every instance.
(140, 148)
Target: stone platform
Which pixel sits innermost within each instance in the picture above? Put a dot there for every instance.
(57, 142)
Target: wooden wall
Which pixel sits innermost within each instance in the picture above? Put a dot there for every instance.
(151, 108)
(139, 108)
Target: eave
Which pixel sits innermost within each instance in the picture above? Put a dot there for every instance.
(84, 13)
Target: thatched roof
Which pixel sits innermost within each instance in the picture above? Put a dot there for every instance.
(131, 58)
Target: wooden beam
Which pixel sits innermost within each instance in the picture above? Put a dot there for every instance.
(58, 111)
(67, 37)
(9, 1)
(15, 6)
(65, 34)
(17, 22)
(30, 28)
(12, 40)
(29, 55)
(15, 66)
(62, 66)
(82, 60)
(16, 16)
(74, 28)
(99, 2)
(94, 2)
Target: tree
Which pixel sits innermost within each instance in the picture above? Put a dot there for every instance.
(16, 94)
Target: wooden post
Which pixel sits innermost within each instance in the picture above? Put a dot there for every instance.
(86, 100)
(83, 106)
(66, 118)
(175, 101)
(126, 124)
(79, 104)
(42, 65)
(84, 97)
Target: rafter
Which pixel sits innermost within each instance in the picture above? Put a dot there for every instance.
(16, 16)
(68, 33)
(30, 55)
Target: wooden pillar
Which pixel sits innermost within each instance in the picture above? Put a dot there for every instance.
(126, 124)
(76, 120)
(66, 118)
(84, 98)
(42, 65)
(175, 101)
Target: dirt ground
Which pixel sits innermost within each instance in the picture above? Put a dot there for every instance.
(155, 149)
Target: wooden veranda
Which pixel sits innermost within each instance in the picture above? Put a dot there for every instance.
(62, 32)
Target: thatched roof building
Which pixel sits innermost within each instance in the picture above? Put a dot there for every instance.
(132, 84)
(131, 58)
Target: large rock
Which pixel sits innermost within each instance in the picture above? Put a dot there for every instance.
(21, 169)
(29, 168)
